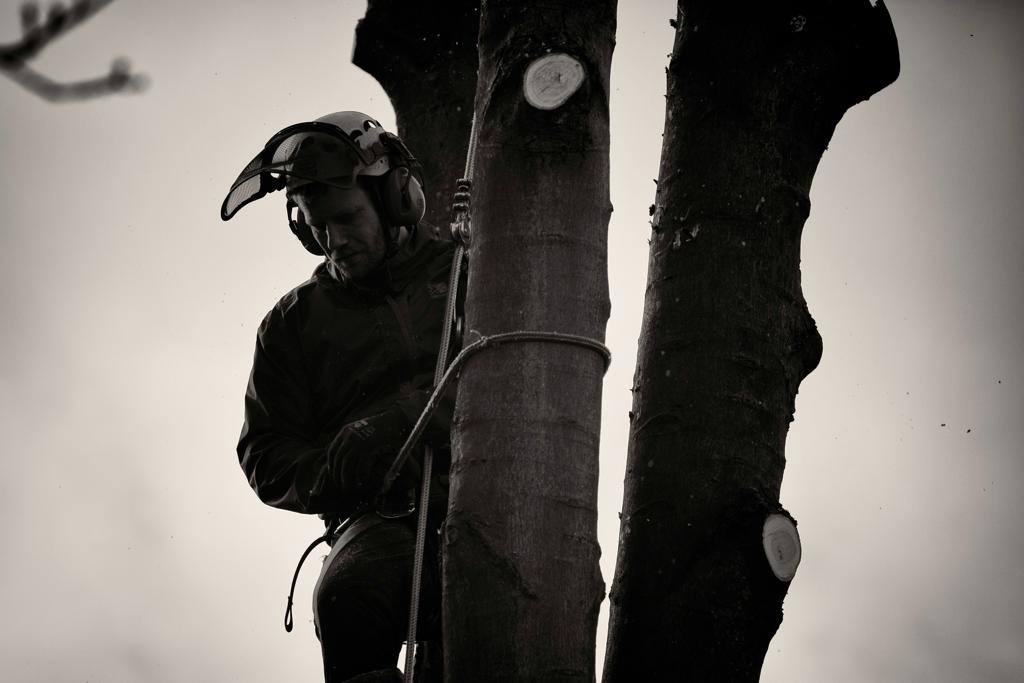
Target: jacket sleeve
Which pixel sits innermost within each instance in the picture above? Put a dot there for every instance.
(278, 448)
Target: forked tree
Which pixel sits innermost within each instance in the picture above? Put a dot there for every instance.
(755, 91)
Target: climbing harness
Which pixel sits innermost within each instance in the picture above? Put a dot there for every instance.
(353, 527)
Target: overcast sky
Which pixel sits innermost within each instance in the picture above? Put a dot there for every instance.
(133, 547)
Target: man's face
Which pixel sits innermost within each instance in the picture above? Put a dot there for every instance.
(346, 226)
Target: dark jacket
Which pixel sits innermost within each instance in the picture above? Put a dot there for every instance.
(330, 353)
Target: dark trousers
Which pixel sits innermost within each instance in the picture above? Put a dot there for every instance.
(363, 601)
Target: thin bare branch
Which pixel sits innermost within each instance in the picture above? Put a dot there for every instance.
(118, 80)
(37, 34)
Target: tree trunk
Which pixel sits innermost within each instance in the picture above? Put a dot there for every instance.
(522, 584)
(424, 55)
(755, 90)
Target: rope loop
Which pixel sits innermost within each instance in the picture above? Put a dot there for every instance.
(288, 621)
(482, 342)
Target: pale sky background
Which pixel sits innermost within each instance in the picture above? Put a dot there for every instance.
(133, 547)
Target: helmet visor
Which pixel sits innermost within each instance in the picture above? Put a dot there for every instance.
(313, 152)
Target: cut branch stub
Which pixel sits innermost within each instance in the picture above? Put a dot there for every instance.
(551, 80)
(781, 546)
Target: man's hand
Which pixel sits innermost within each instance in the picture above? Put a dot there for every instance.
(361, 453)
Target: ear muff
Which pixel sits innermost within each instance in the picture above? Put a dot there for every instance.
(402, 198)
(300, 228)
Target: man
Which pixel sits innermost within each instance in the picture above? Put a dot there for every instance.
(344, 365)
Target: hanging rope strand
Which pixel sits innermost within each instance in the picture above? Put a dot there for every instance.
(428, 467)
(462, 219)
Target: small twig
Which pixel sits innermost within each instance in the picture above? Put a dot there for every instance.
(37, 35)
(117, 80)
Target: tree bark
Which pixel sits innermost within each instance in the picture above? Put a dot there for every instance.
(522, 584)
(755, 90)
(424, 55)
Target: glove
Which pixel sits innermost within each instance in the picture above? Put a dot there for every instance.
(438, 428)
(363, 450)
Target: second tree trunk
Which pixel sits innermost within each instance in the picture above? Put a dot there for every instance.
(755, 90)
